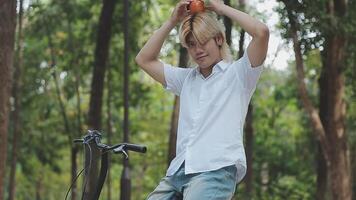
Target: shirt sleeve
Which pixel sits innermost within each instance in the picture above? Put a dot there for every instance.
(247, 74)
(175, 77)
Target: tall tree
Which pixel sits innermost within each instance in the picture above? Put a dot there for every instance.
(228, 24)
(126, 176)
(97, 84)
(16, 93)
(109, 126)
(7, 42)
(329, 127)
(242, 5)
(74, 149)
(62, 106)
(249, 139)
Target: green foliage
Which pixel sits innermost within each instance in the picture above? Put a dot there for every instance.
(65, 32)
(283, 154)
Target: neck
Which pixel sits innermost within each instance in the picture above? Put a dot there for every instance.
(208, 70)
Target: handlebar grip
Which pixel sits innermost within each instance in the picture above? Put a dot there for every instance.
(135, 147)
(78, 140)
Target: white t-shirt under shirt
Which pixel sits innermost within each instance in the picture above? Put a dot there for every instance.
(212, 115)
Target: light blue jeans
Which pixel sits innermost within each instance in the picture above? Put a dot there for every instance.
(213, 185)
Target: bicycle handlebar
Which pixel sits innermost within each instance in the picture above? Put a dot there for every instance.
(117, 148)
(94, 137)
(135, 147)
(127, 146)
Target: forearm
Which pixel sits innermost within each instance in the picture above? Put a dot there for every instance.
(150, 51)
(252, 26)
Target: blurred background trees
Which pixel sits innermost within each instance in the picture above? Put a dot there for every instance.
(58, 45)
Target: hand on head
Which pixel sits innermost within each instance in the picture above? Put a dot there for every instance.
(187, 7)
(181, 11)
(214, 5)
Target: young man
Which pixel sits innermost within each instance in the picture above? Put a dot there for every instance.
(214, 98)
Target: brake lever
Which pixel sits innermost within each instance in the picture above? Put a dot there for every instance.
(121, 149)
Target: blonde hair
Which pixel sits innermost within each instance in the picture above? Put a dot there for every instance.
(203, 27)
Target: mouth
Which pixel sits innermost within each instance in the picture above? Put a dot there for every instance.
(201, 57)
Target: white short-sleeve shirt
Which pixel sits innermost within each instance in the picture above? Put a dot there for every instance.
(212, 115)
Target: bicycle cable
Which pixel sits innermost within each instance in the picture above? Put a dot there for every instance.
(73, 182)
(86, 180)
(84, 169)
(104, 151)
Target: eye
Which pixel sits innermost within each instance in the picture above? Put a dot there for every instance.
(191, 44)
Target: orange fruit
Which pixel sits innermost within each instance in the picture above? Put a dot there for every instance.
(196, 6)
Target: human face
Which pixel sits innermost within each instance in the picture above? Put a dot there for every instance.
(205, 55)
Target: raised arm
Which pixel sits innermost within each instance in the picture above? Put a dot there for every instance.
(257, 49)
(147, 58)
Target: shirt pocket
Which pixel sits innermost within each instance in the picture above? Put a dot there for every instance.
(219, 93)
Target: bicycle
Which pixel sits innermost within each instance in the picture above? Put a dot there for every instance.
(94, 137)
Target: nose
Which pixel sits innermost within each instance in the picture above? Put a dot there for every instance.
(198, 49)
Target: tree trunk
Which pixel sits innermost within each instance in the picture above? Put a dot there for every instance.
(126, 176)
(228, 25)
(7, 40)
(67, 129)
(332, 74)
(311, 110)
(101, 55)
(109, 128)
(97, 86)
(322, 169)
(241, 43)
(353, 169)
(16, 92)
(322, 175)
(75, 149)
(332, 88)
(249, 137)
(332, 135)
(183, 62)
(242, 5)
(74, 167)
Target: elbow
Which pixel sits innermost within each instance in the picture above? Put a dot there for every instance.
(143, 60)
(139, 60)
(263, 31)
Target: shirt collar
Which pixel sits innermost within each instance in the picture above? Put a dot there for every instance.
(220, 66)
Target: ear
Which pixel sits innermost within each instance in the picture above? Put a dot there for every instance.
(219, 40)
